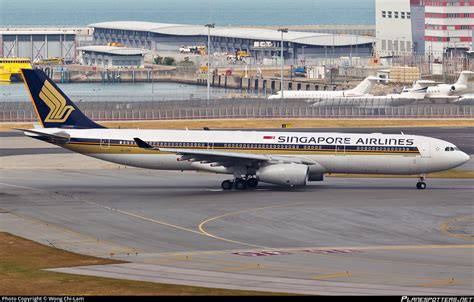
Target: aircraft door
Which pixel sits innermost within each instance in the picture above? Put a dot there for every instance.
(105, 143)
(425, 150)
(340, 149)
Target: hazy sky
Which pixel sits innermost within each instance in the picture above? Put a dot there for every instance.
(223, 12)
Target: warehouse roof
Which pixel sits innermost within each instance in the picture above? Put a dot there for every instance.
(308, 38)
(37, 32)
(114, 50)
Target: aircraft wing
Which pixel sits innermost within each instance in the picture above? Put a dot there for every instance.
(219, 158)
(427, 83)
(442, 97)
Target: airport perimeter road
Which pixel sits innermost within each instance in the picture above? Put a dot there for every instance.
(344, 236)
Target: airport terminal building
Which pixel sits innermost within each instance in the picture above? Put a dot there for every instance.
(260, 43)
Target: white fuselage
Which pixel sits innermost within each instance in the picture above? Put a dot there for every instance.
(370, 101)
(330, 152)
(301, 94)
(367, 102)
(361, 90)
(444, 90)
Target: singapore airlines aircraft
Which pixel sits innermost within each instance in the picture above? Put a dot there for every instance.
(443, 91)
(361, 90)
(281, 158)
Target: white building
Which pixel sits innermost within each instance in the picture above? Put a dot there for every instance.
(111, 56)
(394, 29)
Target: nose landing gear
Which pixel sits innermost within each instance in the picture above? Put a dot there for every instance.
(240, 183)
(421, 185)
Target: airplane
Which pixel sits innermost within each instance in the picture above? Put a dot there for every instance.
(443, 91)
(467, 99)
(279, 158)
(375, 102)
(360, 90)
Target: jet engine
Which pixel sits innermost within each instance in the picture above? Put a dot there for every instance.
(453, 88)
(284, 174)
(316, 177)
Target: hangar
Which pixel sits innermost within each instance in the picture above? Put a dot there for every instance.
(42, 43)
(260, 43)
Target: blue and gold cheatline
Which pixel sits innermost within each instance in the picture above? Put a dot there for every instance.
(91, 145)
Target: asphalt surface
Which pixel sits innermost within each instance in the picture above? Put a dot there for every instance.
(374, 236)
(341, 236)
(28, 151)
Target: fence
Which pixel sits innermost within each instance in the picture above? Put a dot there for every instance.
(233, 109)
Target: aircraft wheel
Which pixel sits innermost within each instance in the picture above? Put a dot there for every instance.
(227, 185)
(252, 183)
(240, 184)
(421, 185)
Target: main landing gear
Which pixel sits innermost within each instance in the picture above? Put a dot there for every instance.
(240, 183)
(421, 185)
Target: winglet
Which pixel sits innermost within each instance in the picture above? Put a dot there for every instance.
(142, 144)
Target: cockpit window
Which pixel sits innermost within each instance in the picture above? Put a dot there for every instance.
(450, 149)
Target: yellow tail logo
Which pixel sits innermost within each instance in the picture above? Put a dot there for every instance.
(58, 110)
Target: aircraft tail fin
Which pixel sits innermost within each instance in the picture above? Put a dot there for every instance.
(463, 78)
(53, 107)
(366, 85)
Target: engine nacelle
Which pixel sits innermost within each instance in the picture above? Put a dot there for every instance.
(316, 177)
(284, 174)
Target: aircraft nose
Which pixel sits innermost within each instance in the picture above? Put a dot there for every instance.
(465, 157)
(458, 159)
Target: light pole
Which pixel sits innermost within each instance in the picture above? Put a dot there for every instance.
(332, 59)
(399, 50)
(209, 26)
(447, 58)
(96, 91)
(152, 84)
(282, 30)
(304, 59)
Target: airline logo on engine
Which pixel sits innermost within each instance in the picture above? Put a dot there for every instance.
(330, 140)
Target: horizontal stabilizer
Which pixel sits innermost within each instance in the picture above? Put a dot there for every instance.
(55, 138)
